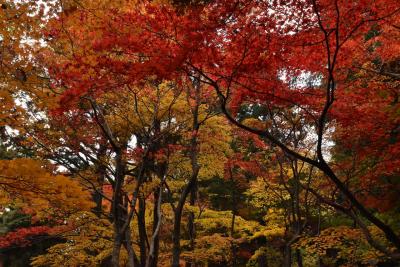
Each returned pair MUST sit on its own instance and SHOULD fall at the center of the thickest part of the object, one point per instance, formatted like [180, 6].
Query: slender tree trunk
[153, 257]
[262, 261]
[176, 234]
[118, 209]
[233, 247]
[116, 248]
[299, 258]
[156, 226]
[118, 236]
[132, 260]
[101, 172]
[119, 205]
[142, 231]
[287, 261]
[191, 186]
[191, 224]
[97, 195]
[297, 224]
[319, 230]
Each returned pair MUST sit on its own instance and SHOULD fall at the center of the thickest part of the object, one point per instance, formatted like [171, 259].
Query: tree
[125, 99]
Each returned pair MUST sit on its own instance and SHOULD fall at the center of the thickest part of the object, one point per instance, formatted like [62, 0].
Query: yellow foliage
[254, 123]
[26, 184]
[347, 243]
[87, 245]
[212, 248]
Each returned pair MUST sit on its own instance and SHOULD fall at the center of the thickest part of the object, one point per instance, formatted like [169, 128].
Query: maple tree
[152, 133]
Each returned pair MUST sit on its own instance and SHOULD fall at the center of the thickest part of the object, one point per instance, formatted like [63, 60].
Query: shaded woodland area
[200, 133]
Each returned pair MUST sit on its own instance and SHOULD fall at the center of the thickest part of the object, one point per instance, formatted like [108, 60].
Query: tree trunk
[116, 248]
[118, 209]
[97, 195]
[233, 247]
[156, 222]
[191, 225]
[262, 261]
[132, 260]
[176, 234]
[287, 260]
[299, 258]
[100, 172]
[153, 251]
[191, 186]
[142, 231]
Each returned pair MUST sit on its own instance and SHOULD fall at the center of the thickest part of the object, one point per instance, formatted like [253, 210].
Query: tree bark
[153, 251]
[132, 259]
[118, 209]
[191, 218]
[287, 261]
[142, 231]
[176, 234]
[299, 258]
[262, 261]
[233, 247]
[116, 248]
[191, 186]
[101, 172]
[156, 226]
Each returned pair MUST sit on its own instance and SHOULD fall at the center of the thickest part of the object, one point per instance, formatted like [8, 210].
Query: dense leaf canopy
[200, 133]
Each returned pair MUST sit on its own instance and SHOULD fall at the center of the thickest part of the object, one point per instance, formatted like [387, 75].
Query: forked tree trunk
[191, 186]
[132, 259]
[176, 234]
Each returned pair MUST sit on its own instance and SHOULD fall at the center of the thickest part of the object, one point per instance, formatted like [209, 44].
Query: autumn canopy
[200, 133]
